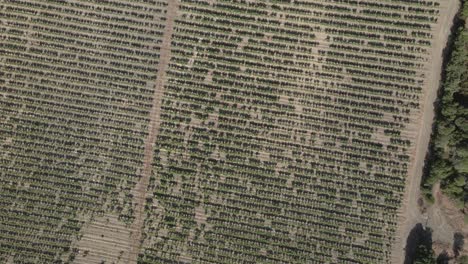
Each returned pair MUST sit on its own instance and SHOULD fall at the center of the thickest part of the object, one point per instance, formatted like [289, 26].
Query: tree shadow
[417, 236]
[443, 258]
[458, 243]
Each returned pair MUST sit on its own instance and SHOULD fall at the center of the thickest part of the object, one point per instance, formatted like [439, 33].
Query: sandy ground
[105, 239]
[444, 218]
[140, 189]
[409, 213]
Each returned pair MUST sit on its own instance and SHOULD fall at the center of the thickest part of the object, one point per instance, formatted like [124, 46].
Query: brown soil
[445, 220]
[105, 239]
[454, 215]
[141, 188]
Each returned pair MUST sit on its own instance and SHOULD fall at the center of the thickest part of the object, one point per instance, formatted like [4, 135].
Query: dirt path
[409, 213]
[446, 221]
[441, 217]
[140, 189]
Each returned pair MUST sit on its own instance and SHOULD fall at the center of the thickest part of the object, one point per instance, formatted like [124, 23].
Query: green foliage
[462, 124]
[454, 187]
[463, 260]
[441, 169]
[427, 193]
[464, 11]
[450, 161]
[424, 255]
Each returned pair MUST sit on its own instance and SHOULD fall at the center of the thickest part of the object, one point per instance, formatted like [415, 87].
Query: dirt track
[444, 218]
[409, 213]
[141, 188]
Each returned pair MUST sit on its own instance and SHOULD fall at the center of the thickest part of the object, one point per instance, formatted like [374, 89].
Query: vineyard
[210, 131]
[76, 93]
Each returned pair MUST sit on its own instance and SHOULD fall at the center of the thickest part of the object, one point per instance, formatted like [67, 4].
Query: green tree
[424, 255]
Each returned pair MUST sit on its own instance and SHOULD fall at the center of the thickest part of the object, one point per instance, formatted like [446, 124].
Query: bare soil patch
[447, 222]
[105, 239]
